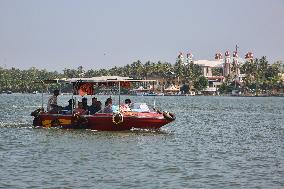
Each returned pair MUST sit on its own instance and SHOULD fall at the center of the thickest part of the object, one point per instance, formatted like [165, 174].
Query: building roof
[210, 63]
[215, 63]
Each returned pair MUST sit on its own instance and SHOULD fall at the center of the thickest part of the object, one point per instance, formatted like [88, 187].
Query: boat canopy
[102, 79]
[84, 86]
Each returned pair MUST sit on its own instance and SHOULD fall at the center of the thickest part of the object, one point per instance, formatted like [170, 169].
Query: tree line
[260, 75]
[260, 78]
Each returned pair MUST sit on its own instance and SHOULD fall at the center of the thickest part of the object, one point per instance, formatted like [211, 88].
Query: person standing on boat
[52, 106]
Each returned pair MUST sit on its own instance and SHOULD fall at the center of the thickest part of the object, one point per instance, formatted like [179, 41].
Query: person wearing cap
[52, 106]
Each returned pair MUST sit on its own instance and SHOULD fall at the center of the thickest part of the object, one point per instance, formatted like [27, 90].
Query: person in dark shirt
[71, 104]
[85, 103]
[95, 107]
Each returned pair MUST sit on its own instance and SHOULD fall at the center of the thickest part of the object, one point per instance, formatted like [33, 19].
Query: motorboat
[138, 116]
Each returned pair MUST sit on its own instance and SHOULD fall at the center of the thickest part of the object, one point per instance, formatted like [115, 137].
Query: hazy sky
[58, 34]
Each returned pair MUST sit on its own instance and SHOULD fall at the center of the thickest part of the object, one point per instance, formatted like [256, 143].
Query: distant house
[163, 82]
[282, 76]
[208, 66]
[172, 90]
[216, 71]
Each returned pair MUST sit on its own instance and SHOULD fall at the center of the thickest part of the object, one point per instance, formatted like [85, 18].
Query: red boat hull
[103, 121]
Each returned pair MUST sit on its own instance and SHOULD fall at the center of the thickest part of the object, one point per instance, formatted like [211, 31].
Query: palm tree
[146, 70]
[136, 69]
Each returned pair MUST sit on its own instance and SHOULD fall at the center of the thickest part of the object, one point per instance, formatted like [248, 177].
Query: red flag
[86, 88]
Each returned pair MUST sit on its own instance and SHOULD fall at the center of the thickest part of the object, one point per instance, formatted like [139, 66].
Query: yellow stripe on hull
[48, 123]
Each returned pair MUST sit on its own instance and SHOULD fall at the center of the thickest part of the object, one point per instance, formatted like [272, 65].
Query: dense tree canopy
[260, 75]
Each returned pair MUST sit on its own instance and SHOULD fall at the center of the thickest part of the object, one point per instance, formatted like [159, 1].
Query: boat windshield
[139, 107]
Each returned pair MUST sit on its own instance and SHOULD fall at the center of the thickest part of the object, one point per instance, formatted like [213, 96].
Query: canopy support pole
[154, 95]
[119, 96]
[42, 95]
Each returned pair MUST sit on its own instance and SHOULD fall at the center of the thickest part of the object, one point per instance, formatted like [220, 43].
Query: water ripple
[215, 142]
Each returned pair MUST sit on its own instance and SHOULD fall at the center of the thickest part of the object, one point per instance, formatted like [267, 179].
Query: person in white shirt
[52, 106]
[126, 107]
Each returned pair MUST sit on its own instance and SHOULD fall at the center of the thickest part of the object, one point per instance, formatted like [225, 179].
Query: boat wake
[135, 131]
[156, 131]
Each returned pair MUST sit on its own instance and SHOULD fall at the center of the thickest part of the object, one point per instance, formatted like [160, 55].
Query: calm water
[216, 142]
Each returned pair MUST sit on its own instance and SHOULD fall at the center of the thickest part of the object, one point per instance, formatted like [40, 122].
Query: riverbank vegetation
[260, 76]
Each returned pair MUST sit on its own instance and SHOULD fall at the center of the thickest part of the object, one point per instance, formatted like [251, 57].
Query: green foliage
[260, 76]
[194, 71]
[16, 80]
[226, 87]
[184, 88]
[201, 83]
[259, 73]
[217, 71]
[223, 89]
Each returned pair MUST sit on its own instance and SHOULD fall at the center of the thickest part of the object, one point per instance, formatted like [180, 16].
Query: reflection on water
[215, 142]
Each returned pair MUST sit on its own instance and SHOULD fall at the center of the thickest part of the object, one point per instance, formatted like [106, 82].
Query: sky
[95, 34]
